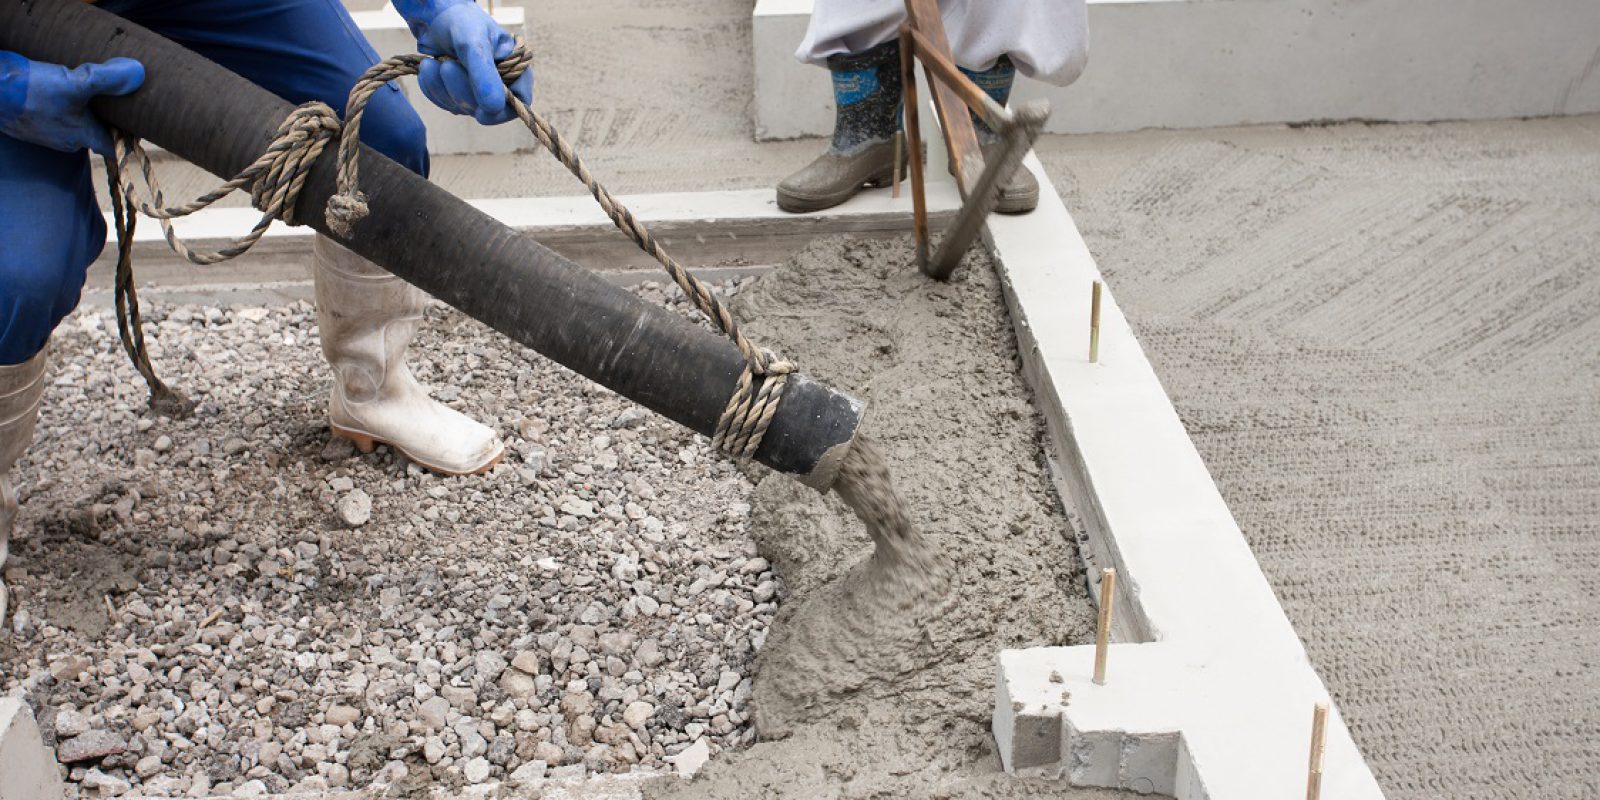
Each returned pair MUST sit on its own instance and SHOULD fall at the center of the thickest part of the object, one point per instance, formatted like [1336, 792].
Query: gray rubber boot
[20, 388]
[1021, 195]
[866, 93]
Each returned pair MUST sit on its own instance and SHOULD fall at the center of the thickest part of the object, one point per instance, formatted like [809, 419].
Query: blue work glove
[48, 104]
[470, 84]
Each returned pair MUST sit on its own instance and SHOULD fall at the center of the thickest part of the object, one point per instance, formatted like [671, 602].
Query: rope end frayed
[345, 210]
[168, 402]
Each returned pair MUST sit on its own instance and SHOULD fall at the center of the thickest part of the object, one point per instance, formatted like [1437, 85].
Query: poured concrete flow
[1385, 342]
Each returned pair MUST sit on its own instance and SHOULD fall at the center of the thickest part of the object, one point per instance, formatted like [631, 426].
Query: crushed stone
[195, 607]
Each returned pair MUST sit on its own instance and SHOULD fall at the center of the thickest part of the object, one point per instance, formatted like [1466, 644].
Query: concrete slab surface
[1383, 341]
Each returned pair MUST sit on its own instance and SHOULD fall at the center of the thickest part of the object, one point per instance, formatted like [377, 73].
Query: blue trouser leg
[50, 231]
[51, 227]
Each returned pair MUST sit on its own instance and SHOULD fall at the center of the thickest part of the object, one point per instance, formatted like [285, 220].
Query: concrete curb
[1220, 705]
[719, 231]
[1209, 63]
[28, 769]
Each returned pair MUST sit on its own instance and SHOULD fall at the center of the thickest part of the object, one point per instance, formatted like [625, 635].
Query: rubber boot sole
[796, 204]
[366, 443]
[1020, 203]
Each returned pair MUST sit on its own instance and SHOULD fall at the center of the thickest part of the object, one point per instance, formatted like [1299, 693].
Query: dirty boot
[866, 94]
[367, 317]
[20, 387]
[1022, 193]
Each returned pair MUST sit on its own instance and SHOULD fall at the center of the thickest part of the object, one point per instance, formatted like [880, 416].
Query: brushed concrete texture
[1385, 342]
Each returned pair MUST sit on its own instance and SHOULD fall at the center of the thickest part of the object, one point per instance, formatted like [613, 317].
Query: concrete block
[28, 769]
[1030, 739]
[447, 133]
[1203, 63]
[1149, 764]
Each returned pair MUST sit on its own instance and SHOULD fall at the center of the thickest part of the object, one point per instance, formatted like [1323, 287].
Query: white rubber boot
[20, 388]
[367, 318]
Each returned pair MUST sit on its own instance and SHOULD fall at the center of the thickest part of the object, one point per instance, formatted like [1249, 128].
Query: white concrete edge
[28, 769]
[1228, 672]
[1151, 509]
[1206, 63]
[581, 212]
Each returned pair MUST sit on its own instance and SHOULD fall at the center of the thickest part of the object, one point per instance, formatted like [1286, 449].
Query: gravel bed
[236, 603]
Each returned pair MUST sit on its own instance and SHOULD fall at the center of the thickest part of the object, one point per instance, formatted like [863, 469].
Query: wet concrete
[1385, 342]
[867, 692]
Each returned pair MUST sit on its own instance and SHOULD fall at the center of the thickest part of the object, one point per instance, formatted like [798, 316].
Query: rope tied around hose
[274, 181]
[277, 177]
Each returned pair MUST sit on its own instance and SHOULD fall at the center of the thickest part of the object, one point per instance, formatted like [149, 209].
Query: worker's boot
[1021, 194]
[20, 387]
[367, 318]
[866, 94]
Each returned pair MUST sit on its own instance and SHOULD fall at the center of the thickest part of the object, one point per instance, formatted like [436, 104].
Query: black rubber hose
[221, 122]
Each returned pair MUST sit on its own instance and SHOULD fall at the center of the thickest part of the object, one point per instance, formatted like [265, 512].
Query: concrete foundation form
[1209, 693]
[1207, 63]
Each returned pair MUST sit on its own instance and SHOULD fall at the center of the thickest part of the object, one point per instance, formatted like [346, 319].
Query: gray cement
[858, 692]
[1386, 343]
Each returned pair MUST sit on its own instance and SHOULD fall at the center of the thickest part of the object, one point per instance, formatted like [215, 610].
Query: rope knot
[301, 138]
[773, 364]
[345, 209]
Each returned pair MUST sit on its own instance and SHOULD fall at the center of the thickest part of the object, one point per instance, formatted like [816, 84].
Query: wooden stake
[913, 139]
[960, 138]
[1094, 325]
[899, 147]
[1102, 638]
[1319, 741]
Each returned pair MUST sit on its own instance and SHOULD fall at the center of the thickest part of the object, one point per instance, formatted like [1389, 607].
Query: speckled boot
[20, 388]
[1022, 193]
[866, 93]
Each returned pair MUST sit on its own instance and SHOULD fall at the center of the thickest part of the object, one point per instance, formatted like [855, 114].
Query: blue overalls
[51, 227]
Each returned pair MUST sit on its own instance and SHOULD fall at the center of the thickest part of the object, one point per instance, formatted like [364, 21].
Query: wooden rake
[922, 38]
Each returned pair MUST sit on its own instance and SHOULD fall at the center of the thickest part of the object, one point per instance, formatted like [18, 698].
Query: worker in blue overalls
[51, 227]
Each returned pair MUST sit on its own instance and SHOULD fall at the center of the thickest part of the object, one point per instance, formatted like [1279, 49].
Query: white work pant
[1047, 39]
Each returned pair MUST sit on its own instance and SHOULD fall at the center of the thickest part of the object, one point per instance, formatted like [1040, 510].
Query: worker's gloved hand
[469, 84]
[48, 104]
